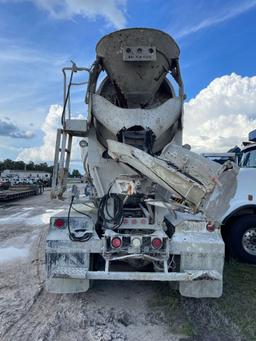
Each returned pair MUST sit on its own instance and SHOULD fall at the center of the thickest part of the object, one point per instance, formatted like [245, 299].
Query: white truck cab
[239, 221]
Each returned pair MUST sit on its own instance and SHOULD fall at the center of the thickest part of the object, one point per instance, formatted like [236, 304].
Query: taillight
[210, 227]
[116, 242]
[59, 223]
[156, 243]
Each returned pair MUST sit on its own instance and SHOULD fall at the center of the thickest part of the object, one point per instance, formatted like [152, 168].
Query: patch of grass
[227, 318]
[168, 301]
[238, 302]
[186, 329]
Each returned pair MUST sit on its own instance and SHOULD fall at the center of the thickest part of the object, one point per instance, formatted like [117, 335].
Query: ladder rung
[61, 161]
[66, 150]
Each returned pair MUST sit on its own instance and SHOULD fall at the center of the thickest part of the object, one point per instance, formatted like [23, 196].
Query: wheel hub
[249, 241]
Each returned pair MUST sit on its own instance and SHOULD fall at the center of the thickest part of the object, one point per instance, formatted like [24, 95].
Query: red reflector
[143, 221]
[59, 223]
[126, 221]
[156, 243]
[134, 221]
[210, 227]
[116, 242]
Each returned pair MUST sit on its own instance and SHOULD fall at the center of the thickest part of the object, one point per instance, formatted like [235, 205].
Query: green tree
[31, 166]
[20, 165]
[76, 173]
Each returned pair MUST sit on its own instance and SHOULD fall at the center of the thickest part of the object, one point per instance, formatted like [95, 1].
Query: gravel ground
[111, 310]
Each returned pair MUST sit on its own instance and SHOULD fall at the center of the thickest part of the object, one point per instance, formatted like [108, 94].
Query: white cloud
[21, 52]
[113, 11]
[202, 19]
[222, 114]
[10, 129]
[49, 129]
[218, 118]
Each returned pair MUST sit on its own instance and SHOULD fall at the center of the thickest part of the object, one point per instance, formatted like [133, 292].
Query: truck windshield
[249, 159]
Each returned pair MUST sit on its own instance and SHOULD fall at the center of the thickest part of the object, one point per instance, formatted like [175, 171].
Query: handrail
[66, 89]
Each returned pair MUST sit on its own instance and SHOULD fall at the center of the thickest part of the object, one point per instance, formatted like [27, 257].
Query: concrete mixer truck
[151, 208]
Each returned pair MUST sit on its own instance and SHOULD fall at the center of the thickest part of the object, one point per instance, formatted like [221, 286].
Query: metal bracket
[139, 53]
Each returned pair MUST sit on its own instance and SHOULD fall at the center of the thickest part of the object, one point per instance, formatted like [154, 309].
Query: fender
[240, 210]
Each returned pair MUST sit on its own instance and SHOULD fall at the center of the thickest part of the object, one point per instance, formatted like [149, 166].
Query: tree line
[20, 165]
[42, 166]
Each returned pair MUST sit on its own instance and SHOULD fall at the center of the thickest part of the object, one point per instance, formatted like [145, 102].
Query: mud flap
[207, 285]
[65, 283]
[201, 288]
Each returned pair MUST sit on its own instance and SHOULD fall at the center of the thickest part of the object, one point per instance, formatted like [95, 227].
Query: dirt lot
[110, 310]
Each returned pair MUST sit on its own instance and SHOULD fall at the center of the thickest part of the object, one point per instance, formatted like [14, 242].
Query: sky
[39, 37]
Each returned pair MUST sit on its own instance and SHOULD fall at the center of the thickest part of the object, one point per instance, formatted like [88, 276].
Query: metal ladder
[61, 163]
[71, 127]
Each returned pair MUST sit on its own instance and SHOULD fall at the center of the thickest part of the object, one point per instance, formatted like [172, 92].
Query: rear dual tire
[243, 238]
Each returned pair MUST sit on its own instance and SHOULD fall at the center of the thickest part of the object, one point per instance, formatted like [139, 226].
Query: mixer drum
[137, 62]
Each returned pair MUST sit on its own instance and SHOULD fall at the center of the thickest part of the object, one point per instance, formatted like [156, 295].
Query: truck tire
[243, 238]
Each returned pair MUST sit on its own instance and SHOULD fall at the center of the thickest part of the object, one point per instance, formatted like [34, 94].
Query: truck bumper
[188, 275]
[200, 273]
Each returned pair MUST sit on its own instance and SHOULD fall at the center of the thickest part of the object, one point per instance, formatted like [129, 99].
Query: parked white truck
[152, 209]
[239, 221]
